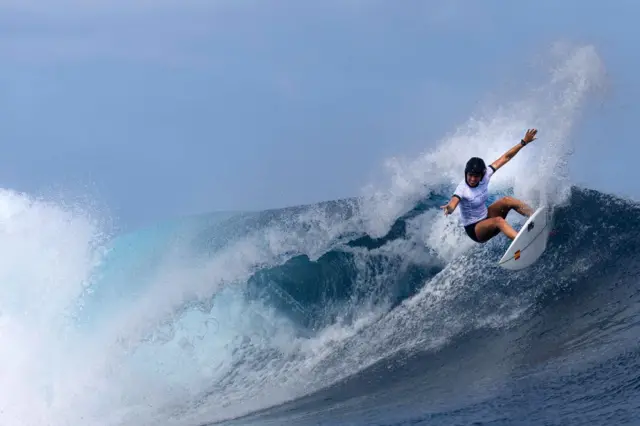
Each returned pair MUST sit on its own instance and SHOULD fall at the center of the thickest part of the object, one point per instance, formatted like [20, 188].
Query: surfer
[482, 223]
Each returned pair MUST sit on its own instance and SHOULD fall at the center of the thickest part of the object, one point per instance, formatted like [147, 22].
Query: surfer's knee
[499, 222]
[510, 201]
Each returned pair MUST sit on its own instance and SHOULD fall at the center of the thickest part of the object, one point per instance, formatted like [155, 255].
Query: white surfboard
[530, 242]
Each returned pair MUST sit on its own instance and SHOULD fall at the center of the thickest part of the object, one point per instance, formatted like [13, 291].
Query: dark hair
[475, 166]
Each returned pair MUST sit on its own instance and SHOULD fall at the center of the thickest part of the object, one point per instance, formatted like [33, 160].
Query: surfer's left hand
[530, 136]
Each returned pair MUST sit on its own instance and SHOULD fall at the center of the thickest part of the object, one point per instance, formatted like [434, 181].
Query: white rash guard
[472, 204]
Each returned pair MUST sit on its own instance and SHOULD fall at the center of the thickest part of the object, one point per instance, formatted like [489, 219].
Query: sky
[157, 109]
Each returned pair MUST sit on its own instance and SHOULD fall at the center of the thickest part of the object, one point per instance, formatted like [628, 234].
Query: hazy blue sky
[162, 108]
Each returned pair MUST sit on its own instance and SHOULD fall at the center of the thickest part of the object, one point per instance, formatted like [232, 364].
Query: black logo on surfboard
[530, 227]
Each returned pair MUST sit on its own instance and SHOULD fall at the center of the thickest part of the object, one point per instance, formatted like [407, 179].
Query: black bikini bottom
[471, 231]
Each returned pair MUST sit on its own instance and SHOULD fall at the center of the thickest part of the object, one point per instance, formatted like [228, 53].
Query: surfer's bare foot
[525, 210]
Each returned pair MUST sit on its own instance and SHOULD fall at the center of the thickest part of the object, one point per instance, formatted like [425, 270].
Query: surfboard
[530, 242]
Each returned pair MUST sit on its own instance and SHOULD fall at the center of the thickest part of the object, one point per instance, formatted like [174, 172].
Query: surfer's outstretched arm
[530, 136]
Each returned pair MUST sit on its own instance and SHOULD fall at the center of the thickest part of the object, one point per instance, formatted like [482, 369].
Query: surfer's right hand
[447, 209]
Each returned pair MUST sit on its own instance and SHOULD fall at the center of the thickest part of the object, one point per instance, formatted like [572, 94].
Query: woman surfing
[482, 223]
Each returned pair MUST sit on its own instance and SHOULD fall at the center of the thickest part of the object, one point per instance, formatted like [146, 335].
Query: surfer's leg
[490, 227]
[503, 206]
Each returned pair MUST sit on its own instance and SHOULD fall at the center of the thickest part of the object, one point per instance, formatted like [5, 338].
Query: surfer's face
[473, 179]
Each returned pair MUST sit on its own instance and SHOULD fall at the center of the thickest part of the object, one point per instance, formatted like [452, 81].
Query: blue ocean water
[570, 355]
[213, 325]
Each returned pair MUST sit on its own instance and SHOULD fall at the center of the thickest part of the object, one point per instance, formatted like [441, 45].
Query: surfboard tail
[530, 242]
